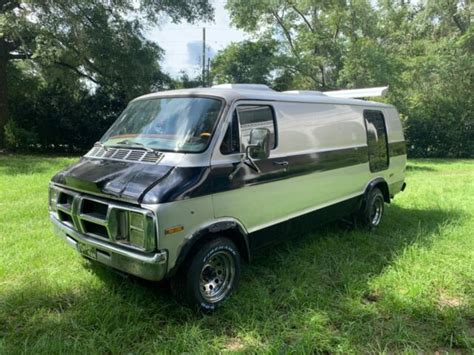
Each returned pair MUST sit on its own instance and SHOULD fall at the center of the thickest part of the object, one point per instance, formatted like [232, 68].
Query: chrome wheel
[217, 276]
[376, 211]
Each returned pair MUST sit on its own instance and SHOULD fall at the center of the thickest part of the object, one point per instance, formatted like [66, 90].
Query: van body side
[150, 212]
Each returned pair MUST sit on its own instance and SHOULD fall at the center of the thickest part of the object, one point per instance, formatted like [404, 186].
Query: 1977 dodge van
[187, 183]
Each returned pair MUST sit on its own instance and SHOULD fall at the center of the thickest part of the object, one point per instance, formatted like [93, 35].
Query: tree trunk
[3, 91]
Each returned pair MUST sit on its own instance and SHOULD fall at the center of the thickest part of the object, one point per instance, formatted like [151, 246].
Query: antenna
[204, 56]
[208, 71]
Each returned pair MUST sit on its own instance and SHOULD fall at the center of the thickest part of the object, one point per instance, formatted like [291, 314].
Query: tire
[372, 210]
[210, 276]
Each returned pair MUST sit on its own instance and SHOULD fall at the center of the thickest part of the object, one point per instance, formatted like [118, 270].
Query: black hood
[125, 180]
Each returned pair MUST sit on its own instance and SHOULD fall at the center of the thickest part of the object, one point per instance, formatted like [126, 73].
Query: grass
[408, 287]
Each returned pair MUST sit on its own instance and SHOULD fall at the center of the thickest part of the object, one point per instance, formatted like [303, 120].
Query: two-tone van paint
[187, 183]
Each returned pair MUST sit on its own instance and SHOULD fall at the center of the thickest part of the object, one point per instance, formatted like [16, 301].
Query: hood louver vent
[136, 155]
[150, 158]
[133, 155]
[120, 154]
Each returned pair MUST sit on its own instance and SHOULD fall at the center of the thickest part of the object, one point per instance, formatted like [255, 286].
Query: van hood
[125, 180]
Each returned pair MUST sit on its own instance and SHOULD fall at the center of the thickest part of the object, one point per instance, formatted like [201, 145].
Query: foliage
[245, 62]
[423, 51]
[87, 44]
[57, 118]
[58, 114]
[407, 287]
[184, 81]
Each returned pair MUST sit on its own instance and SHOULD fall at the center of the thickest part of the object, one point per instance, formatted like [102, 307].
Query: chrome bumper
[145, 265]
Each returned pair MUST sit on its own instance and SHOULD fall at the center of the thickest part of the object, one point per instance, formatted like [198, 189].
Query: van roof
[233, 92]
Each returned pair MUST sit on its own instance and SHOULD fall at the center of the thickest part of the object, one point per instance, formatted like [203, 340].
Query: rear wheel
[372, 210]
[210, 276]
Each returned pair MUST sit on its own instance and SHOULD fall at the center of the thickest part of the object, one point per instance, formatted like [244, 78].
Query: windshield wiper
[130, 144]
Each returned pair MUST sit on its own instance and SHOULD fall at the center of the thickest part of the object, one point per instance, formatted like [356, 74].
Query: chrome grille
[103, 219]
[133, 155]
[64, 205]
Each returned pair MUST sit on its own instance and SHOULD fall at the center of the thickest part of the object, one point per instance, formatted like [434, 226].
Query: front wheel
[372, 210]
[210, 276]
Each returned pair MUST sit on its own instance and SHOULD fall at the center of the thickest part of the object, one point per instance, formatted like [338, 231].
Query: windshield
[182, 124]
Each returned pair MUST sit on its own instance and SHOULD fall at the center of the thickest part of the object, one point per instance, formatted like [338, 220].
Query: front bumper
[149, 266]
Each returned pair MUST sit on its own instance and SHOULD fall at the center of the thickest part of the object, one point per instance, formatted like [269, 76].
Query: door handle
[281, 163]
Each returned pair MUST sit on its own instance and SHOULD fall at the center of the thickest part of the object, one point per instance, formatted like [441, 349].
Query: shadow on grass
[30, 164]
[411, 167]
[307, 295]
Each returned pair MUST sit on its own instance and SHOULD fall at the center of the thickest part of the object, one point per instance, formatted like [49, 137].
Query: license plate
[87, 251]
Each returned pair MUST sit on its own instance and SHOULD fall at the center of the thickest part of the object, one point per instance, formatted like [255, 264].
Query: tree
[100, 42]
[422, 50]
[312, 34]
[245, 62]
[184, 81]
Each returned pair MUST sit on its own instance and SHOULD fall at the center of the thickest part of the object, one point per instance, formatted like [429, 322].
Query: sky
[183, 42]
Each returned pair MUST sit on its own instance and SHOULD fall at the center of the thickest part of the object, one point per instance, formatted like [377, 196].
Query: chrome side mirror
[259, 145]
[258, 148]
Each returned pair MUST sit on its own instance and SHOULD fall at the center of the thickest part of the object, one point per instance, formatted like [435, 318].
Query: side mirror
[259, 145]
[258, 148]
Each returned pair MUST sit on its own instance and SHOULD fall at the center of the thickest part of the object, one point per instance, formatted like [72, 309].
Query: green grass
[408, 287]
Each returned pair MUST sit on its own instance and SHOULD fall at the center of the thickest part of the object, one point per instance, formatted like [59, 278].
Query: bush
[441, 129]
[57, 118]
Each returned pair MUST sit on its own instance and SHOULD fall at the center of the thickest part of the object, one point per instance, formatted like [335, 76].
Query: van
[187, 184]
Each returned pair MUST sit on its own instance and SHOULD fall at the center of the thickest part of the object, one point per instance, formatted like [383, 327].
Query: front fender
[230, 228]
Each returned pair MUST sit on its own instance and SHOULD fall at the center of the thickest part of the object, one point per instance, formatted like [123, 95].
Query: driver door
[247, 195]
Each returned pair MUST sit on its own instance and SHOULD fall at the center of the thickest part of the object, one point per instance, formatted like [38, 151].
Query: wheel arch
[382, 185]
[231, 229]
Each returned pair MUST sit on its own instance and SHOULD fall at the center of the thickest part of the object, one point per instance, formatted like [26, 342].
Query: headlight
[135, 229]
[53, 199]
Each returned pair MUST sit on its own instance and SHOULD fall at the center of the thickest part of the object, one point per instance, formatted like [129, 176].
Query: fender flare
[231, 228]
[379, 181]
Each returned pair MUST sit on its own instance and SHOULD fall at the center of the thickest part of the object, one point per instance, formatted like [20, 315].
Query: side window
[376, 140]
[256, 116]
[231, 142]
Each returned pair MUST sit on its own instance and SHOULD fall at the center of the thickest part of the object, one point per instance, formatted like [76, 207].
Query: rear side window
[376, 140]
[253, 116]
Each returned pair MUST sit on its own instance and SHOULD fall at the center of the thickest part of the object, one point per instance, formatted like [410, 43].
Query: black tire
[209, 276]
[372, 210]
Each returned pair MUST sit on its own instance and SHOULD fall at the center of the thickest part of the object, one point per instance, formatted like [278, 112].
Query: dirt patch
[445, 301]
[234, 344]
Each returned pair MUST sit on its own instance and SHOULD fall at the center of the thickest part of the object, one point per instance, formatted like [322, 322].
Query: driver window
[253, 116]
[249, 117]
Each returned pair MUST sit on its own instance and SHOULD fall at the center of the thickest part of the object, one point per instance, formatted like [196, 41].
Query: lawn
[408, 287]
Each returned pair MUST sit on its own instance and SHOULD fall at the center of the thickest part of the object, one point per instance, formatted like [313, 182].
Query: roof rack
[358, 93]
[346, 94]
[303, 92]
[243, 86]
